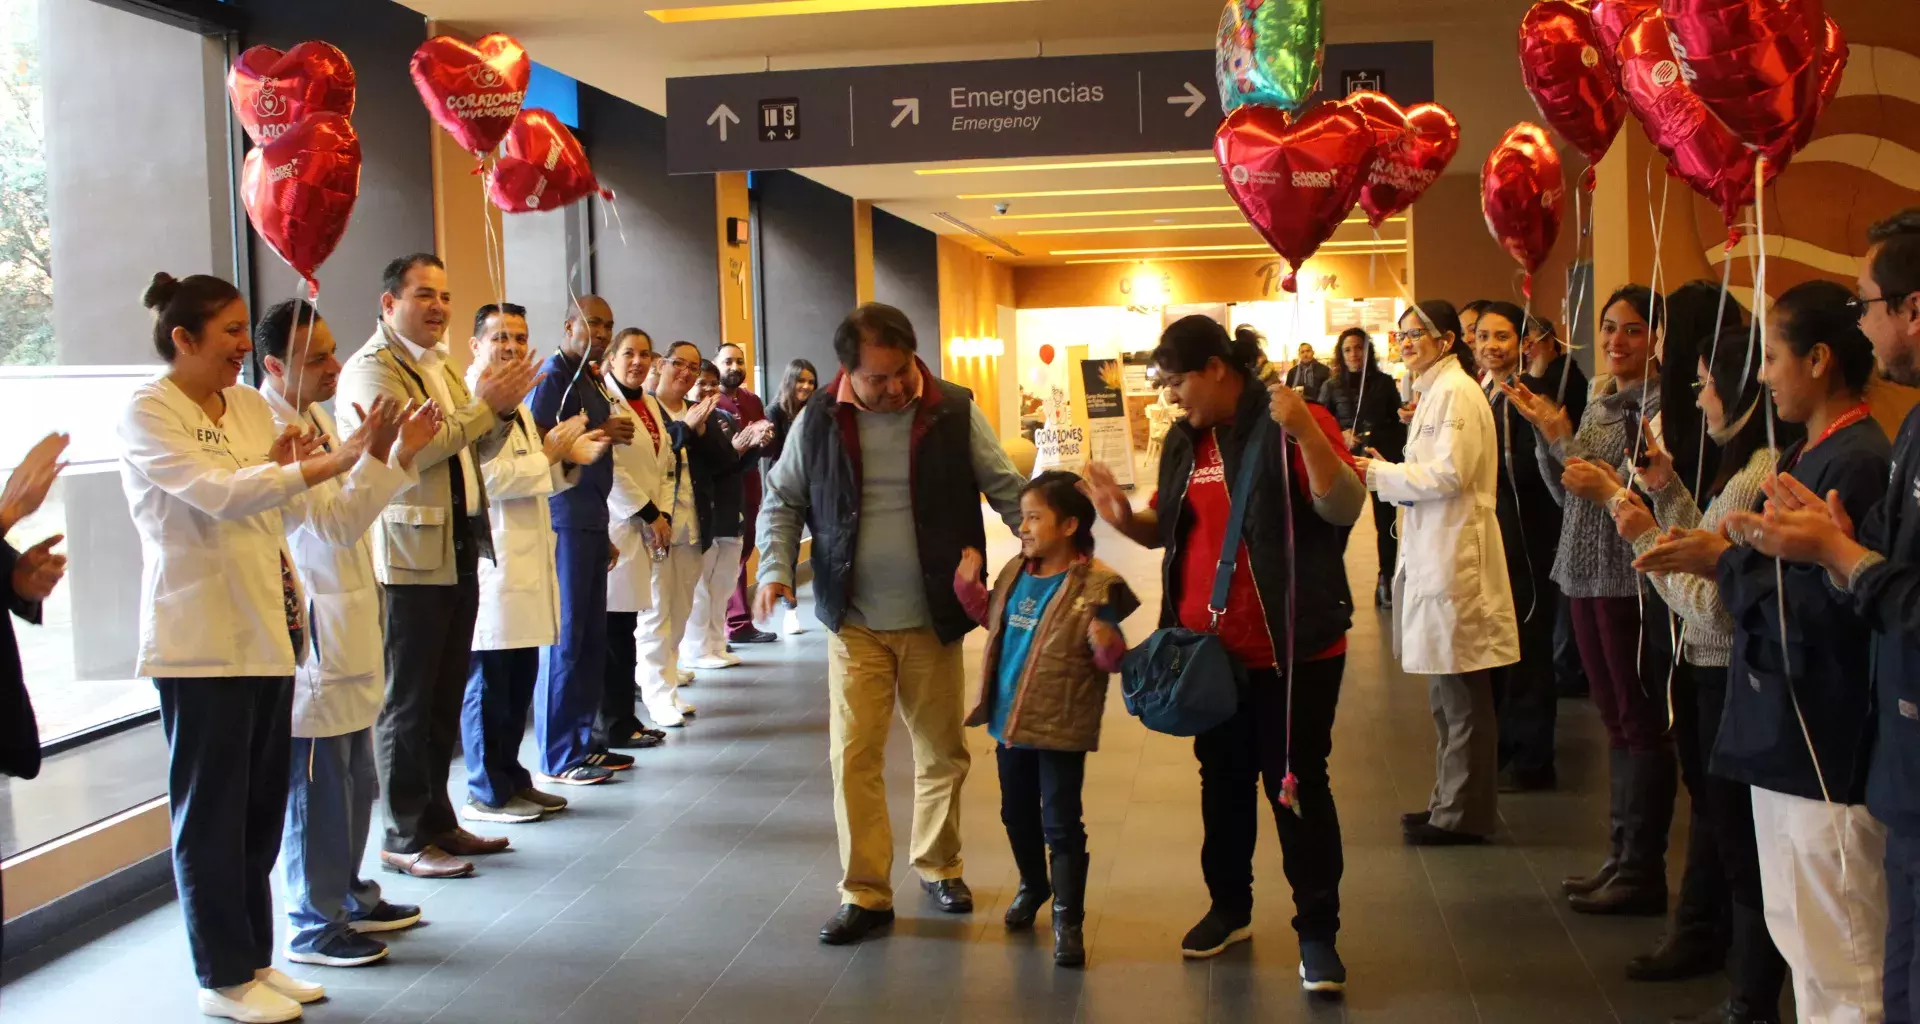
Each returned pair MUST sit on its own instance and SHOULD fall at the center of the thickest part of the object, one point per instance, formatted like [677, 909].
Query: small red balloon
[1754, 63]
[541, 166]
[1295, 182]
[272, 91]
[1563, 65]
[1411, 148]
[299, 190]
[1522, 195]
[1046, 354]
[474, 92]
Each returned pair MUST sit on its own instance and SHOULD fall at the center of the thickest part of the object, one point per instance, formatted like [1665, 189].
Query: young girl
[1053, 638]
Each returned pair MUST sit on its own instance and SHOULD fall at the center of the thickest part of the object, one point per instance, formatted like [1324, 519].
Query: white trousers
[1823, 877]
[660, 628]
[707, 625]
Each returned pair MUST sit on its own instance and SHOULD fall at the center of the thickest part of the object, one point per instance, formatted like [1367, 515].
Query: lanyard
[1840, 422]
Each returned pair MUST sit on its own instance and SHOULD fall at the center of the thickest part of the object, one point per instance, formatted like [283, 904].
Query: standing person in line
[1453, 609]
[426, 553]
[339, 683]
[1470, 333]
[567, 700]
[1799, 731]
[663, 623]
[1525, 699]
[643, 475]
[1309, 374]
[29, 578]
[1364, 399]
[1284, 724]
[753, 440]
[215, 486]
[1594, 569]
[520, 590]
[718, 458]
[796, 389]
[1043, 686]
[1730, 397]
[1552, 371]
[886, 467]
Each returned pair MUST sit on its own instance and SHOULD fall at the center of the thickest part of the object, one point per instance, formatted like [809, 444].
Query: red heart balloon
[1699, 149]
[1295, 182]
[1754, 63]
[1612, 19]
[1522, 196]
[1832, 67]
[1562, 64]
[272, 91]
[473, 92]
[541, 166]
[1411, 148]
[299, 190]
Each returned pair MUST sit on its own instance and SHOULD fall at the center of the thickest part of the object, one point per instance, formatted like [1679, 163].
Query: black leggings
[1384, 542]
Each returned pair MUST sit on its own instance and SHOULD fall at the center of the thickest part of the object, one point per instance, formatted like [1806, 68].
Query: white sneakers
[269, 998]
[721, 660]
[790, 624]
[516, 811]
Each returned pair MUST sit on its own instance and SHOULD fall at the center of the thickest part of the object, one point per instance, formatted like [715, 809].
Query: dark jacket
[1309, 376]
[718, 487]
[1529, 516]
[1887, 596]
[1372, 412]
[777, 415]
[1325, 607]
[1549, 385]
[19, 731]
[945, 494]
[561, 395]
[1761, 743]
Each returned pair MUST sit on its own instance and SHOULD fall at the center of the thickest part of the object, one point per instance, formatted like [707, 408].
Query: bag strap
[1236, 518]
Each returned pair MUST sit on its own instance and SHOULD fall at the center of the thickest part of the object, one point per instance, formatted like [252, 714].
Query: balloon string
[1288, 783]
[1580, 289]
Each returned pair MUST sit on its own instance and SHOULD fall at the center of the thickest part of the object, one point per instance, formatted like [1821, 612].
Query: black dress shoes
[753, 636]
[853, 923]
[1428, 834]
[951, 893]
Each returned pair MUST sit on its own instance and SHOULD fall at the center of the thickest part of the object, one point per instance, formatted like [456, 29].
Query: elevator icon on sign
[779, 120]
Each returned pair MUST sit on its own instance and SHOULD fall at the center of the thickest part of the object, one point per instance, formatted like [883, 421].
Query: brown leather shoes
[462, 843]
[429, 862]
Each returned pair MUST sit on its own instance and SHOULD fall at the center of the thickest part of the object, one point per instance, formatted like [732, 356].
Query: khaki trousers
[867, 672]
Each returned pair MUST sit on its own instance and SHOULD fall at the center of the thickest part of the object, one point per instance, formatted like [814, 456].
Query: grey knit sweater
[1708, 639]
[1593, 561]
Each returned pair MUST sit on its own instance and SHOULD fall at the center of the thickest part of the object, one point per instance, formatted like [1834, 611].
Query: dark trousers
[1627, 681]
[1702, 910]
[1526, 699]
[1040, 805]
[1754, 967]
[1250, 749]
[228, 744]
[1902, 981]
[617, 718]
[493, 720]
[1385, 545]
[429, 651]
[568, 696]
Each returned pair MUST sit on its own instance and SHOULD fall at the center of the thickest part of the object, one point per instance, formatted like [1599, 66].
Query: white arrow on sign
[909, 107]
[725, 116]
[1193, 98]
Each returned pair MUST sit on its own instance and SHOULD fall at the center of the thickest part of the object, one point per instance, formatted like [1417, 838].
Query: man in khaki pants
[886, 465]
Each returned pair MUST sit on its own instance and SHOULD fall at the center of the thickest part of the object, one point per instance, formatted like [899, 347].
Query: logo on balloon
[1666, 73]
[1313, 179]
[483, 76]
[1589, 56]
[1240, 174]
[269, 103]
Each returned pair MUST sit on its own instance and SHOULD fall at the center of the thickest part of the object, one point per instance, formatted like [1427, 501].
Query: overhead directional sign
[1041, 106]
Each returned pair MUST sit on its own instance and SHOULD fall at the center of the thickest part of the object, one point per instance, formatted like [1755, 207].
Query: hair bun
[160, 291]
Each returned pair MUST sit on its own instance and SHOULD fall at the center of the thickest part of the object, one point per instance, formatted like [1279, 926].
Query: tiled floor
[693, 891]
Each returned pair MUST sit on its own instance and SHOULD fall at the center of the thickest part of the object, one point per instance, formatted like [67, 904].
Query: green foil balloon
[1269, 53]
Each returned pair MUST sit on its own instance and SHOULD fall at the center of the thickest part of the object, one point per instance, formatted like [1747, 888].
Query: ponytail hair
[186, 303]
[1438, 315]
[1191, 341]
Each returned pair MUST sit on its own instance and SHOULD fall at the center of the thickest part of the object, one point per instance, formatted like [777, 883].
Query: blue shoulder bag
[1180, 681]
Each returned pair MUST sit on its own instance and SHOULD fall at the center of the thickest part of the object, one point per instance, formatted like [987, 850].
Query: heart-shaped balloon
[1268, 52]
[1754, 63]
[474, 92]
[1411, 148]
[1612, 19]
[1294, 181]
[1832, 67]
[541, 166]
[272, 91]
[1700, 150]
[299, 190]
[1562, 64]
[1522, 196]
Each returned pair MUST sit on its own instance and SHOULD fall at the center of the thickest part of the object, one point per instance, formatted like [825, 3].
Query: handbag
[1181, 681]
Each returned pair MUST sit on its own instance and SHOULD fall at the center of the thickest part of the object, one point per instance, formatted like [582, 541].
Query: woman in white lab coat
[215, 486]
[641, 517]
[1452, 603]
[662, 625]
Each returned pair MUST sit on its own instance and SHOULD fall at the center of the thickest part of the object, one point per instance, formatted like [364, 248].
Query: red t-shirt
[1243, 629]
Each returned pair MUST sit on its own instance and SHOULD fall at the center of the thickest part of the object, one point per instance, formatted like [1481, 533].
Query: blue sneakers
[1320, 967]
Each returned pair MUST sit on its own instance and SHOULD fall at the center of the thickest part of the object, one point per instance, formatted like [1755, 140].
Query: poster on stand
[1062, 442]
[1109, 440]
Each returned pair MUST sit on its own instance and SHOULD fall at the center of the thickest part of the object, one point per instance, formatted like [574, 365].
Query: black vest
[946, 499]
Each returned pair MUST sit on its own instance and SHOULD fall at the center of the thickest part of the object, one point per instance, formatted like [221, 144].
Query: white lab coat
[340, 685]
[643, 472]
[213, 512]
[520, 590]
[1453, 607]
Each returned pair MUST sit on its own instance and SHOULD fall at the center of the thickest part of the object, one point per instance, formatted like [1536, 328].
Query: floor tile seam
[451, 956]
[1560, 917]
[788, 898]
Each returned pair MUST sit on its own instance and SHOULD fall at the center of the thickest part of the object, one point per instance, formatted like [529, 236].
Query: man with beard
[1878, 566]
[568, 697]
[752, 442]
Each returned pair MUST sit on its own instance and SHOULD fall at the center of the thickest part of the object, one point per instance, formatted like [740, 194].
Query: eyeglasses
[1859, 306]
[1402, 337]
[684, 366]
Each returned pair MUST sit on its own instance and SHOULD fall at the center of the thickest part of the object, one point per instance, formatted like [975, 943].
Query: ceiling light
[1160, 248]
[1115, 213]
[1134, 191]
[782, 8]
[1073, 165]
[1216, 256]
[1136, 227]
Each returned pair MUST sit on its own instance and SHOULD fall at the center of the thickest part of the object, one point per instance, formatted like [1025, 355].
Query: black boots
[1383, 592]
[1639, 883]
[1582, 885]
[1069, 908]
[1034, 889]
[1696, 945]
